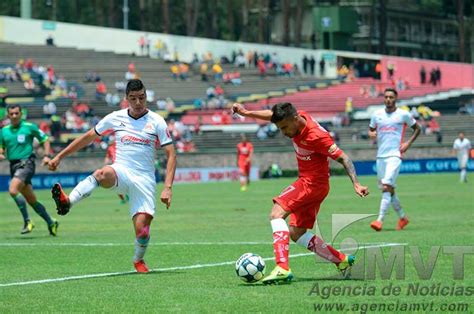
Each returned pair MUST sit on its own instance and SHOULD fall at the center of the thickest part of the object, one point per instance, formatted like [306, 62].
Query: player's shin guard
[41, 211]
[83, 189]
[384, 204]
[318, 246]
[397, 206]
[281, 242]
[141, 243]
[20, 202]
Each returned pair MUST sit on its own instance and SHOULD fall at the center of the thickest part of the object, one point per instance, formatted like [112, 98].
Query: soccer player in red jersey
[244, 161]
[110, 159]
[302, 199]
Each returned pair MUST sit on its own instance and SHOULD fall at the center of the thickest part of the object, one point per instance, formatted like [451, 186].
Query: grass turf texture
[440, 211]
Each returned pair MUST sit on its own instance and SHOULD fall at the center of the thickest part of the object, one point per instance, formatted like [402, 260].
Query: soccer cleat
[28, 227]
[53, 228]
[278, 275]
[345, 266]
[141, 267]
[61, 199]
[402, 222]
[376, 225]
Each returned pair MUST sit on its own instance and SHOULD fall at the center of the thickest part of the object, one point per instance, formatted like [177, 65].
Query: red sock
[281, 243]
[318, 246]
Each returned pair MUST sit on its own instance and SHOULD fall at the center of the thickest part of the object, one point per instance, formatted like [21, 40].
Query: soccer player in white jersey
[138, 132]
[462, 147]
[388, 125]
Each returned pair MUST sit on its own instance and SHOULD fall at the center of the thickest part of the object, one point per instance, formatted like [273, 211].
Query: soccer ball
[250, 267]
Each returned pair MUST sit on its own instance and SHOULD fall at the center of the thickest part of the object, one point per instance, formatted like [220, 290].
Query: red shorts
[244, 168]
[303, 199]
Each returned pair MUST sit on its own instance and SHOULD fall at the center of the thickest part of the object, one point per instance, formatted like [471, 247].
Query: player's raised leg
[141, 222]
[105, 177]
[281, 244]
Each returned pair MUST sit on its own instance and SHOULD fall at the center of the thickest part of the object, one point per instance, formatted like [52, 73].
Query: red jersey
[243, 151]
[111, 152]
[313, 146]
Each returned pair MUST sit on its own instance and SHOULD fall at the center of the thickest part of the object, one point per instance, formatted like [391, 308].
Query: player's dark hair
[282, 111]
[13, 106]
[134, 86]
[393, 90]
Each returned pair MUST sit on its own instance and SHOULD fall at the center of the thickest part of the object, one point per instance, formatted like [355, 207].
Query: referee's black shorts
[23, 169]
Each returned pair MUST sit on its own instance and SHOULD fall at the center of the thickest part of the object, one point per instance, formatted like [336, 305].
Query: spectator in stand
[312, 63]
[3, 96]
[170, 106]
[175, 71]
[390, 70]
[56, 127]
[203, 68]
[50, 41]
[211, 92]
[433, 127]
[44, 126]
[438, 75]
[219, 90]
[433, 80]
[422, 75]
[322, 66]
[150, 96]
[123, 103]
[349, 108]
[72, 94]
[400, 84]
[414, 113]
[240, 60]
[120, 86]
[183, 71]
[131, 67]
[425, 112]
[49, 109]
[142, 44]
[217, 70]
[305, 64]
[113, 100]
[161, 104]
[262, 68]
[29, 86]
[100, 90]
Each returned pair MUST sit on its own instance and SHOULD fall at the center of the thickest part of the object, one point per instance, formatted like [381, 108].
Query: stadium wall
[453, 75]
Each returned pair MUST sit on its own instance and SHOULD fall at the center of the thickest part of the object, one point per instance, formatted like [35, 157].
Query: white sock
[304, 239]
[384, 204]
[83, 189]
[397, 207]
[279, 224]
[463, 175]
[140, 248]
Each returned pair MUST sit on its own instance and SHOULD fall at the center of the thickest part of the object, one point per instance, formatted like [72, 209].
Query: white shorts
[387, 170]
[462, 161]
[140, 188]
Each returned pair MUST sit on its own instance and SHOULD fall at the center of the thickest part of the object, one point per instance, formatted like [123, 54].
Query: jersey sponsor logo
[132, 140]
[388, 129]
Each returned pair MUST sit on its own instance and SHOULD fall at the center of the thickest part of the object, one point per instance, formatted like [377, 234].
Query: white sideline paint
[62, 279]
[152, 244]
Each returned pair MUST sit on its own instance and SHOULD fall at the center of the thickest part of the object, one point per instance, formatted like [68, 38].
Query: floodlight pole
[125, 9]
[25, 9]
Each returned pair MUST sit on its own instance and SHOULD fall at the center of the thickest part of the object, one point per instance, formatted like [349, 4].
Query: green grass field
[208, 226]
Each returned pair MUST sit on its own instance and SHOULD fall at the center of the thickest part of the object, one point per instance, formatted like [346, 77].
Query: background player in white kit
[462, 147]
[388, 126]
[138, 134]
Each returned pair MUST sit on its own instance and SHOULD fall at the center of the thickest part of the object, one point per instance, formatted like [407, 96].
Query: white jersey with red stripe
[390, 130]
[137, 139]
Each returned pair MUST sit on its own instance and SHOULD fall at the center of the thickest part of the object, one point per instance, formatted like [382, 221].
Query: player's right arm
[372, 128]
[2, 156]
[257, 114]
[2, 146]
[79, 143]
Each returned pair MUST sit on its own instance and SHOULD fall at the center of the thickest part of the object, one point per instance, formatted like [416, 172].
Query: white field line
[41, 244]
[196, 266]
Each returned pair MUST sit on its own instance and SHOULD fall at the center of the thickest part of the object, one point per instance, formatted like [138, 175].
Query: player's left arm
[2, 147]
[416, 131]
[167, 194]
[344, 160]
